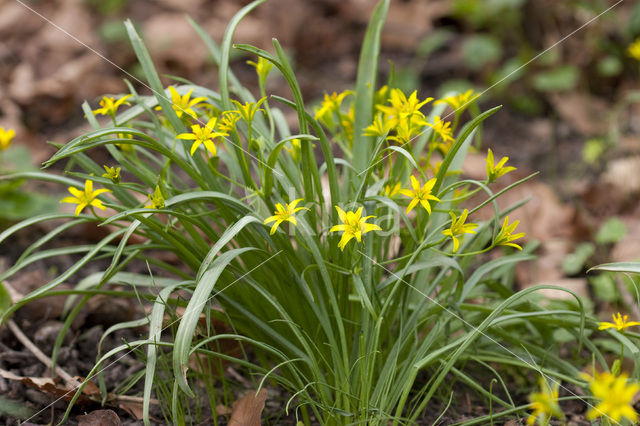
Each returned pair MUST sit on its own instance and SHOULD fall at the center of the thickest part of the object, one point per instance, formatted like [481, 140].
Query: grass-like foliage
[344, 255]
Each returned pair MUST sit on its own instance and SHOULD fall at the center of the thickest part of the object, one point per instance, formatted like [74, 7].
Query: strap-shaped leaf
[189, 320]
[366, 87]
[629, 267]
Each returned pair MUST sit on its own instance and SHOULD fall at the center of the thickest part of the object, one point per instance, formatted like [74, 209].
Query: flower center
[203, 134]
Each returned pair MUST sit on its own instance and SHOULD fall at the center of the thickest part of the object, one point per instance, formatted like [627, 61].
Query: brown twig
[69, 380]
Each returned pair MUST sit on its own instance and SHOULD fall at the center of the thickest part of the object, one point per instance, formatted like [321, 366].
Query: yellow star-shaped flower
[112, 173]
[459, 102]
[494, 171]
[634, 49]
[459, 228]
[284, 214]
[545, 404]
[379, 127]
[263, 67]
[227, 121]
[85, 198]
[506, 237]
[203, 135]
[331, 104]
[353, 226]
[441, 128]
[619, 323]
[392, 190]
[109, 106]
[5, 138]
[402, 108]
[420, 195]
[615, 395]
[156, 199]
[184, 104]
[249, 109]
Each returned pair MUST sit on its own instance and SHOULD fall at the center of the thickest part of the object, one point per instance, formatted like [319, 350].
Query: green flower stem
[471, 253]
[267, 108]
[228, 179]
[242, 160]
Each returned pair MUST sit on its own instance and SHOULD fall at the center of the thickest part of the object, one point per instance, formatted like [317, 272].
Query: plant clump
[383, 294]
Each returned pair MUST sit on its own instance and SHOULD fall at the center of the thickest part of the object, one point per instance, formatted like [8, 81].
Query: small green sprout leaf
[5, 300]
[612, 231]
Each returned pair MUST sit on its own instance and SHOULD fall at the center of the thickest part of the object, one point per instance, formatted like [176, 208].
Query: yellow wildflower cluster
[402, 115]
[403, 110]
[615, 396]
[506, 237]
[353, 224]
[333, 116]
[392, 190]
[330, 106]
[295, 150]
[614, 393]
[218, 126]
[227, 121]
[444, 132]
[248, 110]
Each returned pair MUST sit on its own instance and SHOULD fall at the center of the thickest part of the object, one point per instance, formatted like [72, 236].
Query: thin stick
[39, 354]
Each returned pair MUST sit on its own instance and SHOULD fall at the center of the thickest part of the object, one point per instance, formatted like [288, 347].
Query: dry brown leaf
[16, 19]
[133, 407]
[247, 411]
[622, 174]
[47, 385]
[185, 6]
[90, 389]
[64, 81]
[628, 248]
[583, 111]
[181, 45]
[108, 310]
[99, 418]
[45, 308]
[547, 268]
[544, 217]
[72, 18]
[475, 165]
[223, 410]
[576, 285]
[90, 393]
